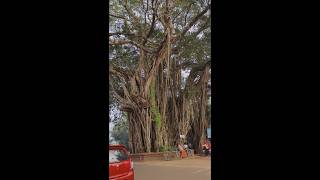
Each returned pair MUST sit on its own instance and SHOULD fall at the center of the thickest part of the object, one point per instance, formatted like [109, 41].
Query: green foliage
[166, 148]
[172, 148]
[154, 108]
[123, 56]
[161, 148]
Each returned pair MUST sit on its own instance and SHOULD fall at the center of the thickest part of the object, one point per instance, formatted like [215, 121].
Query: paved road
[185, 169]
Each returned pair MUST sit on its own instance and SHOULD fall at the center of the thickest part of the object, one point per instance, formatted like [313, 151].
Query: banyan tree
[160, 69]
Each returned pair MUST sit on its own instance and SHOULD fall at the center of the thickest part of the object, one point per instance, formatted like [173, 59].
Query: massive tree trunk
[166, 112]
[139, 131]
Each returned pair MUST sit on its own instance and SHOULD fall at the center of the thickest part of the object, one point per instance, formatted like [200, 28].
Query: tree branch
[126, 100]
[195, 66]
[152, 25]
[175, 17]
[123, 102]
[116, 16]
[121, 33]
[185, 17]
[194, 20]
[130, 13]
[160, 56]
[120, 72]
[121, 42]
[202, 28]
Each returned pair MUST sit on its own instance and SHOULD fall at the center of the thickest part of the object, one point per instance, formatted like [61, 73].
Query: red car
[120, 163]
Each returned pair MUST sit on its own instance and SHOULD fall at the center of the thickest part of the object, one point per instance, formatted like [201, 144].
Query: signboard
[209, 132]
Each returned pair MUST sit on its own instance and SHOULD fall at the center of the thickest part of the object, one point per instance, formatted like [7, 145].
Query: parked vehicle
[120, 163]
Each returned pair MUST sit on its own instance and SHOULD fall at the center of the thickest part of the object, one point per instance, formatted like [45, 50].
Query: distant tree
[120, 131]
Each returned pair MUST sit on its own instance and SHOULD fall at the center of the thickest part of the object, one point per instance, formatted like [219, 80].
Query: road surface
[185, 169]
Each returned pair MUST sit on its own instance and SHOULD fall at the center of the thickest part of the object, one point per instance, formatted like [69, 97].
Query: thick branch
[158, 59]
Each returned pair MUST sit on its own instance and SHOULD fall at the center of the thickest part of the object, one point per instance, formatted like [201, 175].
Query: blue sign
[209, 132]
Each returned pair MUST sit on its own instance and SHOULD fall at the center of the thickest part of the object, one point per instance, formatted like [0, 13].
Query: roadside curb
[161, 156]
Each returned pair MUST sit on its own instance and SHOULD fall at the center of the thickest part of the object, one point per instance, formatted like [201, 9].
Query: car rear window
[117, 155]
